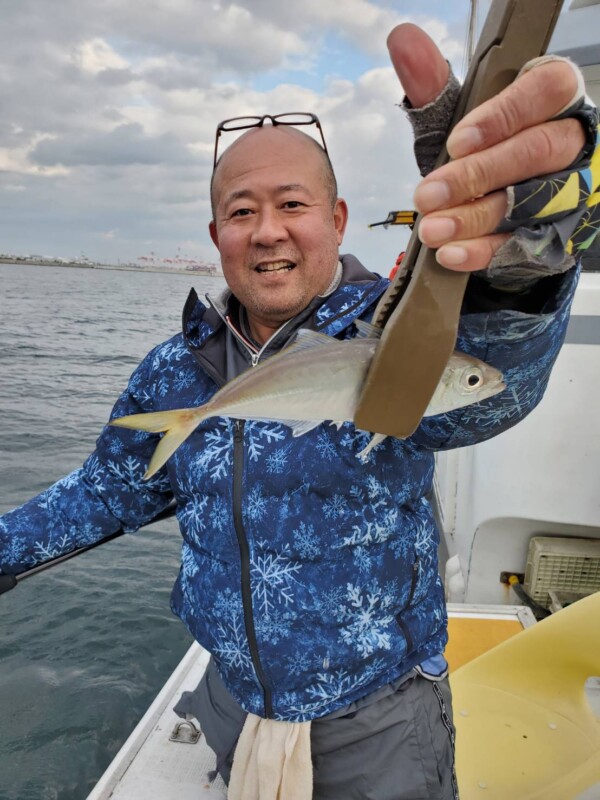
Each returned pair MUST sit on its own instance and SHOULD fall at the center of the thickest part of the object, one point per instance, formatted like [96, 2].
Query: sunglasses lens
[240, 122]
[295, 119]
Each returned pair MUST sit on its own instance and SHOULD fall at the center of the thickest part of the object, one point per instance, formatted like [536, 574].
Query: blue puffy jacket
[311, 578]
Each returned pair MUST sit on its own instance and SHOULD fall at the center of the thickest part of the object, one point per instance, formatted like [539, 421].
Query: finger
[471, 254]
[469, 221]
[533, 98]
[541, 150]
[421, 68]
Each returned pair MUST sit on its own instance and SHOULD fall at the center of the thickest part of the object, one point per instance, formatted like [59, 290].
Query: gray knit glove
[431, 123]
[542, 244]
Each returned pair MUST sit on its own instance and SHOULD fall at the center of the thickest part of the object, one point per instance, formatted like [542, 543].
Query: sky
[109, 109]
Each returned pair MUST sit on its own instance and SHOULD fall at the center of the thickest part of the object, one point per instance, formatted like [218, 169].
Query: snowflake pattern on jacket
[312, 578]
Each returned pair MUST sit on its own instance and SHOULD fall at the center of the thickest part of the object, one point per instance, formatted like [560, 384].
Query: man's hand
[506, 140]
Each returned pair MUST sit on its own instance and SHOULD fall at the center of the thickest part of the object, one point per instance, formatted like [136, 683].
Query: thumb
[421, 68]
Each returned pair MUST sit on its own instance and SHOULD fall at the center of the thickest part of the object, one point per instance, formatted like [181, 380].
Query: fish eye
[473, 379]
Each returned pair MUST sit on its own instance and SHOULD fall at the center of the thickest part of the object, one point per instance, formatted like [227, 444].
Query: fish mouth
[495, 386]
[283, 265]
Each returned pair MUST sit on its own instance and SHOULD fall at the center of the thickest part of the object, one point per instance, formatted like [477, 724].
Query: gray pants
[396, 744]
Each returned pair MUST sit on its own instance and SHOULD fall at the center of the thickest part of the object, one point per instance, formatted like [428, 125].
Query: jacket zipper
[255, 355]
[406, 633]
[238, 474]
[413, 581]
[413, 586]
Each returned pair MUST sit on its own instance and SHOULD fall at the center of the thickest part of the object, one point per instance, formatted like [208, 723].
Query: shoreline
[15, 262]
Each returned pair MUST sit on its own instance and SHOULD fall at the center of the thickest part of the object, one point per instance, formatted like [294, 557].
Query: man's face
[275, 227]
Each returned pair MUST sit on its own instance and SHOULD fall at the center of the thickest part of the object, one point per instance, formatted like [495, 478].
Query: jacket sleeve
[106, 494]
[524, 347]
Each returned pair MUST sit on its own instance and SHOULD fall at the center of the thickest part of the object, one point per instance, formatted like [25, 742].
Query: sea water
[85, 645]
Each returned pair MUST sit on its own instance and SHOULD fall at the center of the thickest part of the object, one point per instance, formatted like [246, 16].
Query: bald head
[277, 224]
[255, 138]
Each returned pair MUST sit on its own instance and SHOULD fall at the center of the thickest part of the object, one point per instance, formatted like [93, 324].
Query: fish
[314, 379]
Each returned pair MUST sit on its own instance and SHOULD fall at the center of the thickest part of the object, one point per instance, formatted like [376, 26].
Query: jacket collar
[358, 289]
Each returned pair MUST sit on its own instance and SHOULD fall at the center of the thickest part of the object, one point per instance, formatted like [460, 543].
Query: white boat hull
[152, 767]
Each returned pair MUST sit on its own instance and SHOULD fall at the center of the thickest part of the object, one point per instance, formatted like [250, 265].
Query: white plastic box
[562, 564]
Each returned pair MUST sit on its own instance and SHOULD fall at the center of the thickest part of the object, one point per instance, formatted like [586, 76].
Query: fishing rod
[8, 582]
[397, 218]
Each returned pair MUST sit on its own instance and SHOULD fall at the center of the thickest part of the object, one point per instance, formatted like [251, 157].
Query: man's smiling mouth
[275, 266]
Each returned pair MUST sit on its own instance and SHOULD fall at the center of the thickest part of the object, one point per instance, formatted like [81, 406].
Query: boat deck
[151, 766]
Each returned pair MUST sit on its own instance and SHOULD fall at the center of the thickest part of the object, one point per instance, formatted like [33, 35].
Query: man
[311, 578]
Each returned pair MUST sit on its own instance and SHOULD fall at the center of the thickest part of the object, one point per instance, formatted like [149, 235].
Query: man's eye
[293, 204]
[241, 212]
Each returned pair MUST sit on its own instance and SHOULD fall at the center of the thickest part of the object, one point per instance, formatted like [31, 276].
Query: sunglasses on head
[240, 123]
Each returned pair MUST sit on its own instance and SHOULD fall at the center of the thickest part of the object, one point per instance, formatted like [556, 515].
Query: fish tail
[176, 425]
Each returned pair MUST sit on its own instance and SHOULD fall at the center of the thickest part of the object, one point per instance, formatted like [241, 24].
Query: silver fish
[316, 378]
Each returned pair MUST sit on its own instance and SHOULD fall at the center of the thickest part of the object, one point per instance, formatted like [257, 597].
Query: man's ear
[340, 218]
[212, 229]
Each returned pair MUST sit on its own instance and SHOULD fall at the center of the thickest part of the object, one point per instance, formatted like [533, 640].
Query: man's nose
[269, 228]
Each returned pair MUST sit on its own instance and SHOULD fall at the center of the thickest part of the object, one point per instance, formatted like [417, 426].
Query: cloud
[109, 113]
[96, 55]
[18, 160]
[365, 24]
[125, 145]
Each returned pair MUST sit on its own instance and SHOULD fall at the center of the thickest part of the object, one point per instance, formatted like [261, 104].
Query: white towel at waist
[272, 761]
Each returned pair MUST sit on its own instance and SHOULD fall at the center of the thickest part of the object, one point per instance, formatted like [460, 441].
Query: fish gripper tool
[420, 310]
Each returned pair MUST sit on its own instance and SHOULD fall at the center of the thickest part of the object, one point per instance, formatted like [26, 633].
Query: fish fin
[305, 340]
[376, 439]
[367, 331]
[177, 424]
[169, 443]
[152, 422]
[301, 426]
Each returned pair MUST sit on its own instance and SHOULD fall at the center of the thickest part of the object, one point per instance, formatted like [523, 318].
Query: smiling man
[310, 577]
[278, 224]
